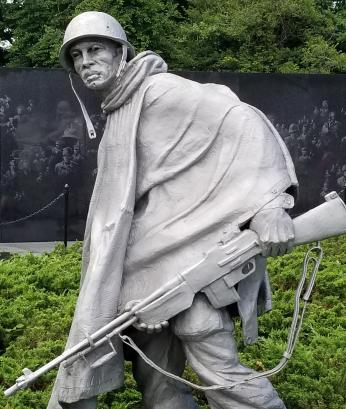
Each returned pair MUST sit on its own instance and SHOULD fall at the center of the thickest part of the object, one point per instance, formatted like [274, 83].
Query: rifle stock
[216, 274]
[321, 222]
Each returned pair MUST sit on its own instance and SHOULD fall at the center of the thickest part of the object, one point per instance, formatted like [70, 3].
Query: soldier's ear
[118, 50]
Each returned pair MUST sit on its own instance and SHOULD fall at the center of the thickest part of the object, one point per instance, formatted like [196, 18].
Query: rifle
[221, 268]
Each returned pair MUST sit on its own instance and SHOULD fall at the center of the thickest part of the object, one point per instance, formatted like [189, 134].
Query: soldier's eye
[74, 54]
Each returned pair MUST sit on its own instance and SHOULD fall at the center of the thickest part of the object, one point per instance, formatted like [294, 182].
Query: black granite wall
[43, 144]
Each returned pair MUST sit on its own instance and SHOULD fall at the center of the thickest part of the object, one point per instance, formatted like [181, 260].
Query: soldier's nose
[87, 60]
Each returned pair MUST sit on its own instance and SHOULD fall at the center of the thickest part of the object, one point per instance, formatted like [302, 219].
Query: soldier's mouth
[91, 76]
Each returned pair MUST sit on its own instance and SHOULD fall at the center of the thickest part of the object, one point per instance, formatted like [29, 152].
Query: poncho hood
[136, 71]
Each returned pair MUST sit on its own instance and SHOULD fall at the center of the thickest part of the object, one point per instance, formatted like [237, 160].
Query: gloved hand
[275, 230]
[142, 326]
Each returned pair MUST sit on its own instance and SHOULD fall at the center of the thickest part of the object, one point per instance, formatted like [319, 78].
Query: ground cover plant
[38, 294]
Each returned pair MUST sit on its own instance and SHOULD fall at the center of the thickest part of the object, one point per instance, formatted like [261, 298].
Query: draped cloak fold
[178, 164]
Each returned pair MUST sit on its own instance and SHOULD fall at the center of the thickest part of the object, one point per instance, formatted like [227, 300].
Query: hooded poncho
[179, 162]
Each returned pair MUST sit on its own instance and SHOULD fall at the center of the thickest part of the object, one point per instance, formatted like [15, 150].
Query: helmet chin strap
[89, 125]
[122, 62]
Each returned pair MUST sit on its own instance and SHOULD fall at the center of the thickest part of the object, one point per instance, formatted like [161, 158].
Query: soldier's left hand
[143, 326]
[275, 230]
[151, 328]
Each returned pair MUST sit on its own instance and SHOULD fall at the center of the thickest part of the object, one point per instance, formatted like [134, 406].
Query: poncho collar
[143, 65]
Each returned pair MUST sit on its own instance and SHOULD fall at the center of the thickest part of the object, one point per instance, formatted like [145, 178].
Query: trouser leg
[207, 336]
[215, 361]
[159, 391]
[81, 404]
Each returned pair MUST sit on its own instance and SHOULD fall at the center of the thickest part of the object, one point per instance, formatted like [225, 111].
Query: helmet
[92, 24]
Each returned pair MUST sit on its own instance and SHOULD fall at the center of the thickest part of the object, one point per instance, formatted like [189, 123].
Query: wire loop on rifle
[297, 321]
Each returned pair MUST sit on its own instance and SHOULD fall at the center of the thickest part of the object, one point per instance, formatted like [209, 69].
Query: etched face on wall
[96, 61]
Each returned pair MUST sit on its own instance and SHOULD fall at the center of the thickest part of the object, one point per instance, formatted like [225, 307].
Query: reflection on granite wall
[43, 143]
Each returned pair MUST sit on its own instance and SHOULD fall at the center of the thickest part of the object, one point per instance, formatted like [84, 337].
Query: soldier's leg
[207, 336]
[159, 391]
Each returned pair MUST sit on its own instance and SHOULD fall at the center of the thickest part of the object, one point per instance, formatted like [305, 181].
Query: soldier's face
[96, 62]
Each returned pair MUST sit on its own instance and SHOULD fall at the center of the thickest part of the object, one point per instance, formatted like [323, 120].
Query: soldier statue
[179, 164]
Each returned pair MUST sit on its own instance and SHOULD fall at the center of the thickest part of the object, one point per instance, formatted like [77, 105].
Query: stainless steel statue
[181, 165]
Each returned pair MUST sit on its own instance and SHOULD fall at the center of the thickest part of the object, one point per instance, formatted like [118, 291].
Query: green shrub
[38, 294]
